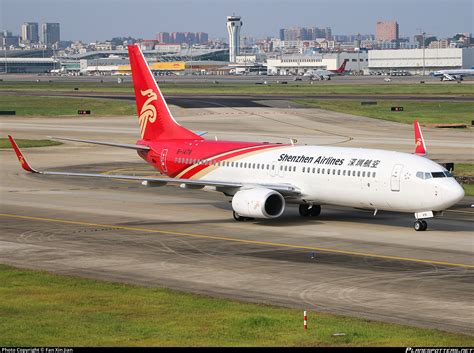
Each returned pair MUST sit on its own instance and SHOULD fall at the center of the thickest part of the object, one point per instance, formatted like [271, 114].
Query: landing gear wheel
[304, 210]
[425, 225]
[315, 210]
[420, 225]
[238, 217]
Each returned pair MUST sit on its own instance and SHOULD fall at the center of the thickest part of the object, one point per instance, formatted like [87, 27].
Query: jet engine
[258, 203]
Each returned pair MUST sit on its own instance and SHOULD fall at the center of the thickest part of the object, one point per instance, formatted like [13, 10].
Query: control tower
[233, 27]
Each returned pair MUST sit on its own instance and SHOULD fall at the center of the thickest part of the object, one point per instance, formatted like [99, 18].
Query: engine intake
[258, 203]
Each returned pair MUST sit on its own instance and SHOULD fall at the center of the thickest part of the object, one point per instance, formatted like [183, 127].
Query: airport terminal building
[299, 64]
[413, 60]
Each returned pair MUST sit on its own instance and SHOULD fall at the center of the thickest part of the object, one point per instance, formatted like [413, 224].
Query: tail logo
[418, 141]
[148, 112]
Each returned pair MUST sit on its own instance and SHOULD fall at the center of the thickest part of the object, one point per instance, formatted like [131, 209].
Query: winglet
[420, 147]
[22, 159]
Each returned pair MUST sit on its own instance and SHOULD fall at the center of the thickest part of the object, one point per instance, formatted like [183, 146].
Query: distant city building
[202, 37]
[8, 40]
[233, 27]
[387, 31]
[50, 34]
[182, 37]
[439, 44]
[29, 32]
[303, 33]
[163, 37]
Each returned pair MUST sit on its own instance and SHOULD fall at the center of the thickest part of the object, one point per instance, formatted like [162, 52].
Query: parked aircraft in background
[321, 74]
[262, 178]
[453, 75]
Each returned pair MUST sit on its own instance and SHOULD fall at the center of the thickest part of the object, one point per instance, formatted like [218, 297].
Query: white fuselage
[355, 177]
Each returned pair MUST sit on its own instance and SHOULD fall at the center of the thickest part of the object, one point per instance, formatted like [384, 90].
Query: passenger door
[395, 177]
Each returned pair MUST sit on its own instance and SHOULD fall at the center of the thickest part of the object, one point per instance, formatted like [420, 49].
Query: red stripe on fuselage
[237, 153]
[195, 150]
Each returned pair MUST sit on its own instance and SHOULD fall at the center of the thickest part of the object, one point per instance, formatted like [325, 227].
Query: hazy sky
[103, 19]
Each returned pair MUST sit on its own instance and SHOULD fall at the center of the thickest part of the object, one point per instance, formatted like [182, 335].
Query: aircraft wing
[284, 188]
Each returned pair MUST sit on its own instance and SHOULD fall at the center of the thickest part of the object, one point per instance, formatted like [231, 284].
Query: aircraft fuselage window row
[286, 168]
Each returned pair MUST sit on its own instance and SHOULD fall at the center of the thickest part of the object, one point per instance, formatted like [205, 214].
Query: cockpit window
[420, 175]
[438, 175]
[427, 175]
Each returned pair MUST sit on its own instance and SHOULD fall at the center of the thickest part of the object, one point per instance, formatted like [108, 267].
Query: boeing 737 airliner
[262, 178]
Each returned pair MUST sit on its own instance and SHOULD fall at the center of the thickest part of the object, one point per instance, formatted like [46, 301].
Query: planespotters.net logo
[439, 350]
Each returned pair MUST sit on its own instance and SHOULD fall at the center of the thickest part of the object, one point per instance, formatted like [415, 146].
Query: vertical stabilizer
[155, 118]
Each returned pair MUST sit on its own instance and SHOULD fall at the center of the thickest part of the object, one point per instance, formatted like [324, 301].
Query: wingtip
[21, 158]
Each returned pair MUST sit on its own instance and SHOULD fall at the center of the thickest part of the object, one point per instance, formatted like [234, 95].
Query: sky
[91, 20]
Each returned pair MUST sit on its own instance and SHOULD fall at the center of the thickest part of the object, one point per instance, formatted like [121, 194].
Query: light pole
[423, 38]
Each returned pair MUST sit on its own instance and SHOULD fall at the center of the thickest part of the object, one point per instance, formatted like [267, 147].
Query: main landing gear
[240, 218]
[420, 225]
[307, 210]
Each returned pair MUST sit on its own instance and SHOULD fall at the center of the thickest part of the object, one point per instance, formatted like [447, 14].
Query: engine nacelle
[258, 203]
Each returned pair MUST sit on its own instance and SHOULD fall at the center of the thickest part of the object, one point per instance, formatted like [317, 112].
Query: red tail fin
[156, 121]
[420, 147]
[342, 68]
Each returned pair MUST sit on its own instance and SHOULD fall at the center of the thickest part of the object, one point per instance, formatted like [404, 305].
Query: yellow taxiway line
[242, 241]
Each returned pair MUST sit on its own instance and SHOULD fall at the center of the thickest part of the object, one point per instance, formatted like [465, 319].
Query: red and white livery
[262, 178]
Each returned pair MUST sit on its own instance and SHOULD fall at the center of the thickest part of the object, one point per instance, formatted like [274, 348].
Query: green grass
[65, 106]
[41, 309]
[5, 143]
[468, 189]
[425, 112]
[464, 169]
[200, 87]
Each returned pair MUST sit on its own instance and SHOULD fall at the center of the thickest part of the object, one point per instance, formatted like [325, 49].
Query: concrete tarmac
[346, 261]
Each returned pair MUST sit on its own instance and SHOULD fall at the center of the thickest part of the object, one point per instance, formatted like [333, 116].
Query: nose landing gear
[420, 225]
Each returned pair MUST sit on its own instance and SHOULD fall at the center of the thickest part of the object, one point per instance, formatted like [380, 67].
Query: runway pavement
[345, 261]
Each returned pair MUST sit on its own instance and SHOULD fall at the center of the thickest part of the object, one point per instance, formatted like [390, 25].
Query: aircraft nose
[455, 193]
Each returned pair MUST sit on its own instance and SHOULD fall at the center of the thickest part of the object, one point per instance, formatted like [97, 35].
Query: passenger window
[303, 169]
[373, 174]
[319, 170]
[334, 172]
[353, 173]
[253, 166]
[339, 172]
[363, 174]
[314, 170]
[344, 172]
[358, 173]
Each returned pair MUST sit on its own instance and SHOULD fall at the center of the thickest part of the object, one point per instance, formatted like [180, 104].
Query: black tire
[315, 211]
[418, 225]
[238, 217]
[304, 210]
[425, 225]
